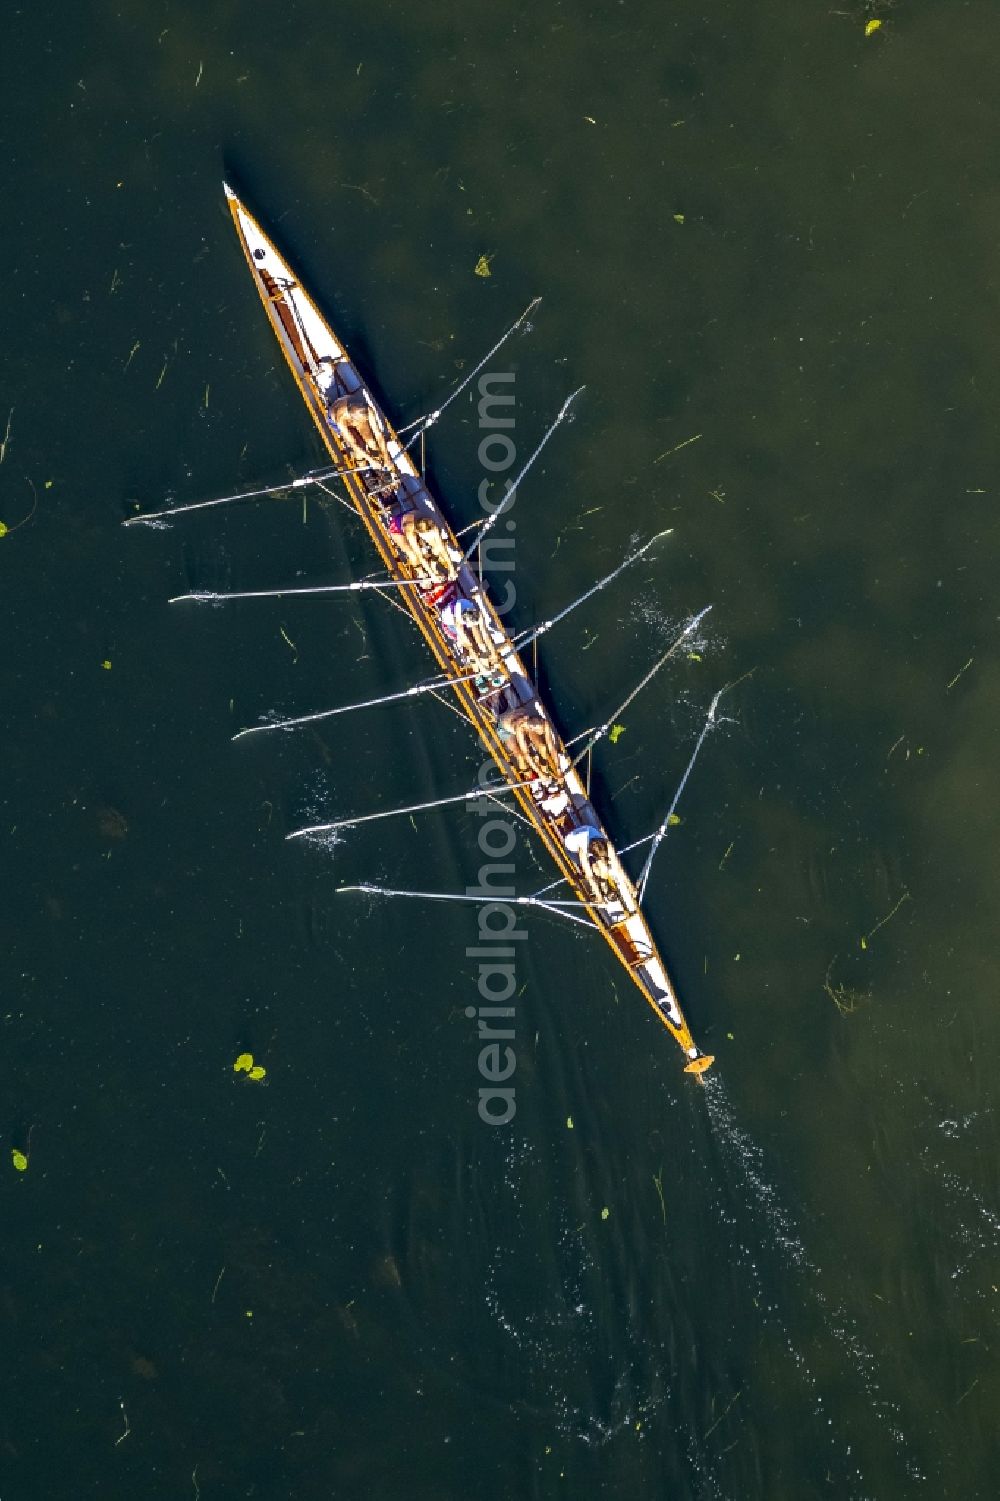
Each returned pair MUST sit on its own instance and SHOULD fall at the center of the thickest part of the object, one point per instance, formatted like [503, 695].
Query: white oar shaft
[209, 596]
[423, 423]
[223, 500]
[606, 727]
[430, 686]
[315, 478]
[511, 495]
[659, 834]
[526, 638]
[455, 896]
[440, 802]
[448, 896]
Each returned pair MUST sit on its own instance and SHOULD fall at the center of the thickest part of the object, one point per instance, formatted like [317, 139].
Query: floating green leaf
[617, 731]
[243, 1064]
[257, 1072]
[483, 266]
[605, 1213]
[19, 1160]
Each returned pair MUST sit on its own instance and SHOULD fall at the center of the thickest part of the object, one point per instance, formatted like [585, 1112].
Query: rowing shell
[309, 344]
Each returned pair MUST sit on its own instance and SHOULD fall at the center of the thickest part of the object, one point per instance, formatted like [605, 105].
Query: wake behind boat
[433, 576]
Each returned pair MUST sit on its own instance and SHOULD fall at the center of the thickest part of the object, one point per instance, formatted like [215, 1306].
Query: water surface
[767, 234]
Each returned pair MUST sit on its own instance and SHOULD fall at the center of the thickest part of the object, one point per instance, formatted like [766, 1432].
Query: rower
[534, 741]
[352, 414]
[425, 544]
[464, 622]
[599, 863]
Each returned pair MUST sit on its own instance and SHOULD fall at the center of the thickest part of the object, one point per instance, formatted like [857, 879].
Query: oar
[447, 896]
[314, 477]
[423, 423]
[659, 834]
[440, 802]
[209, 596]
[527, 637]
[512, 485]
[430, 686]
[603, 729]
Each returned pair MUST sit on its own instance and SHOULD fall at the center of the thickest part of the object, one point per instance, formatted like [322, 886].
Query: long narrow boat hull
[308, 344]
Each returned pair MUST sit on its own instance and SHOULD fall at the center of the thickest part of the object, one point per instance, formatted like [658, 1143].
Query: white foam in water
[559, 1338]
[316, 810]
[327, 840]
[956, 1128]
[769, 1313]
[977, 1237]
[664, 627]
[778, 1227]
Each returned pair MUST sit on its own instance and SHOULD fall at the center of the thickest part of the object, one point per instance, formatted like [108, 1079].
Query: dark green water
[341, 1283]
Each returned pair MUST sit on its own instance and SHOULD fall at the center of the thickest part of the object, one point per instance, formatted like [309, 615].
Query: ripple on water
[774, 1227]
